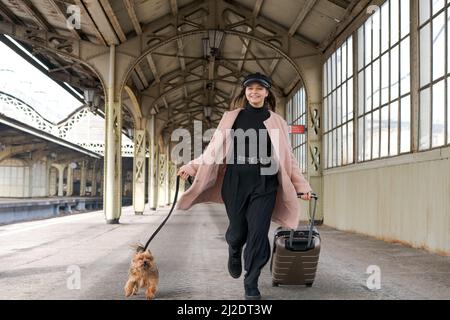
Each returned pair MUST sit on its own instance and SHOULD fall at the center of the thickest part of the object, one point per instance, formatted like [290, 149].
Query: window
[338, 106]
[384, 116]
[434, 40]
[296, 115]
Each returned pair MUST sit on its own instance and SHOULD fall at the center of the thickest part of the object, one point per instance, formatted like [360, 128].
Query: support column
[112, 200]
[151, 163]
[156, 177]
[161, 179]
[83, 178]
[139, 172]
[60, 168]
[94, 179]
[69, 192]
[167, 174]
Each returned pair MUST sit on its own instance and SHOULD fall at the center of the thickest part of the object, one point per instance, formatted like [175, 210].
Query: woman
[252, 199]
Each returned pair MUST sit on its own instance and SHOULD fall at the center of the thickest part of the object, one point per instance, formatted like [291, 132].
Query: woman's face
[255, 94]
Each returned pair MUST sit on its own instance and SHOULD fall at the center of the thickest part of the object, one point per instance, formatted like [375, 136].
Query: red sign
[297, 129]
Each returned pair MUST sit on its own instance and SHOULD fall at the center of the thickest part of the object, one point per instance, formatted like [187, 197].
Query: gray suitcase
[295, 254]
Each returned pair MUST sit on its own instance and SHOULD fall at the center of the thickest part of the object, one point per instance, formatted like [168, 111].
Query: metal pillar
[151, 164]
[167, 178]
[60, 168]
[83, 178]
[139, 172]
[112, 200]
[94, 179]
[69, 191]
[156, 177]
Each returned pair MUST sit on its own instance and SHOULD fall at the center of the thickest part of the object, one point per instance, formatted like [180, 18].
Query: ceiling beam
[9, 15]
[61, 12]
[152, 65]
[257, 7]
[31, 10]
[85, 13]
[113, 19]
[301, 16]
[129, 5]
[354, 9]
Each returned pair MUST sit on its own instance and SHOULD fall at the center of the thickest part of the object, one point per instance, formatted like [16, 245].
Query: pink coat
[209, 170]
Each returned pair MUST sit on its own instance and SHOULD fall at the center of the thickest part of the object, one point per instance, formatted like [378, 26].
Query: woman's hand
[183, 174]
[306, 196]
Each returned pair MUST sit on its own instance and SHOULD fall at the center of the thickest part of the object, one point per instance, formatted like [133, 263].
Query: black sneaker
[252, 294]
[234, 262]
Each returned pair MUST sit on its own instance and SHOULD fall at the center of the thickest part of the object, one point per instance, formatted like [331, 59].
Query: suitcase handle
[291, 235]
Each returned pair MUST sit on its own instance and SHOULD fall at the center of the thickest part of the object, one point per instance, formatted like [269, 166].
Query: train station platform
[39, 259]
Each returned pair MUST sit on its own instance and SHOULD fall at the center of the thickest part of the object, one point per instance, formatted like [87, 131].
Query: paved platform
[37, 258]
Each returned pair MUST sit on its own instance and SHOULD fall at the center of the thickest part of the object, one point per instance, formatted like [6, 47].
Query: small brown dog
[143, 273]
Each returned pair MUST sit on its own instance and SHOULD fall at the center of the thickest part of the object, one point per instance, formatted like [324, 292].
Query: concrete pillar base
[112, 221]
[138, 213]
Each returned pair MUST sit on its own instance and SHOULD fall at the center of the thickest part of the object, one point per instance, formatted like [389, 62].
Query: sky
[23, 81]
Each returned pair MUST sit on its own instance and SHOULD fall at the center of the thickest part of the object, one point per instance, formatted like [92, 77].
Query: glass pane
[368, 40]
[384, 131]
[394, 73]
[344, 62]
[350, 100]
[339, 67]
[385, 26]
[339, 146]
[438, 114]
[344, 102]
[376, 33]
[330, 113]
[361, 139]
[334, 149]
[360, 48]
[368, 92]
[339, 107]
[393, 132]
[438, 5]
[405, 71]
[330, 151]
[405, 125]
[361, 93]
[350, 142]
[424, 125]
[385, 78]
[368, 137]
[439, 46]
[425, 52]
[324, 80]
[344, 145]
[350, 57]
[448, 42]
[424, 10]
[405, 19]
[448, 114]
[329, 75]
[333, 71]
[395, 23]
[376, 84]
[376, 134]
[334, 94]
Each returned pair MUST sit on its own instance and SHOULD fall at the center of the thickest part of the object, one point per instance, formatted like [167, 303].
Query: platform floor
[36, 259]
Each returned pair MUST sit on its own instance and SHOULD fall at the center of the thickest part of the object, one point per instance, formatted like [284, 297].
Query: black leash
[167, 218]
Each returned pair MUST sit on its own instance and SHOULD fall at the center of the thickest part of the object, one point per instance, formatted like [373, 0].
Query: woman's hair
[241, 100]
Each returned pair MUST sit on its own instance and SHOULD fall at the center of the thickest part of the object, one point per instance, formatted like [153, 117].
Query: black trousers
[249, 199]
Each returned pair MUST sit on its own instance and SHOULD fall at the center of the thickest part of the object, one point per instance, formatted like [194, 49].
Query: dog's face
[143, 260]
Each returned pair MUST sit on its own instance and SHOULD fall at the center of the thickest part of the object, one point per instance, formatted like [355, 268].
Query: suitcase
[295, 254]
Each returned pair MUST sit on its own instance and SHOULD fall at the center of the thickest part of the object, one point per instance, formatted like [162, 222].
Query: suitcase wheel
[274, 284]
[309, 285]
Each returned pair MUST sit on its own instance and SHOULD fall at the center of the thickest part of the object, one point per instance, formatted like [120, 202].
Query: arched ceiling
[179, 79]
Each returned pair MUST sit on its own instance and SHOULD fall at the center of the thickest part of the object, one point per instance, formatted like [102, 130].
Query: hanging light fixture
[215, 38]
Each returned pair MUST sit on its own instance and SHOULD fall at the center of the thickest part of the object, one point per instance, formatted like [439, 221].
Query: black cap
[257, 77]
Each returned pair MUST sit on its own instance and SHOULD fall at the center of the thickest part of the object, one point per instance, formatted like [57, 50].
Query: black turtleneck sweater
[252, 118]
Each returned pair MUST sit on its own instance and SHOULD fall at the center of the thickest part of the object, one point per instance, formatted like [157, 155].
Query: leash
[168, 216]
